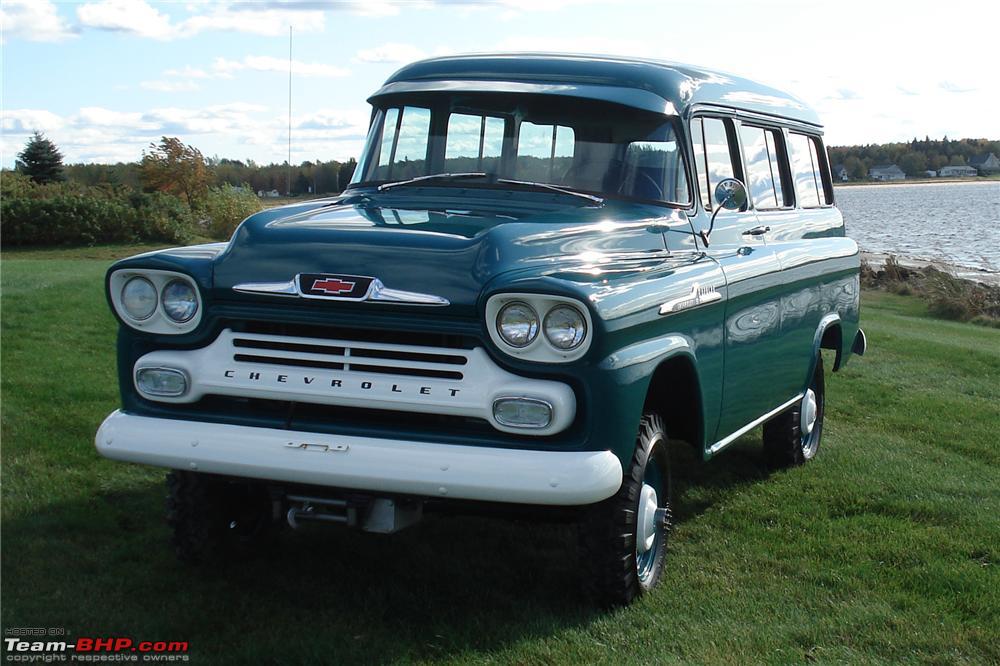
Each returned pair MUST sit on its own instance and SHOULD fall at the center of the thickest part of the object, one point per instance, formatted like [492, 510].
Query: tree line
[306, 178]
[913, 157]
[172, 195]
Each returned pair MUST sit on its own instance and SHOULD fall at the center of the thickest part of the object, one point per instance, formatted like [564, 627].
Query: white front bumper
[364, 463]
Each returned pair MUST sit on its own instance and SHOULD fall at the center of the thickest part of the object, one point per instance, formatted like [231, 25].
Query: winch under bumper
[561, 478]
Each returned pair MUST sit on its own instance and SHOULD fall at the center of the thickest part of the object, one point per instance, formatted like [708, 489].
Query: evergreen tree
[40, 160]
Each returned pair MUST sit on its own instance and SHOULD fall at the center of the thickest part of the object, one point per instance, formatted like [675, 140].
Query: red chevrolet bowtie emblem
[333, 286]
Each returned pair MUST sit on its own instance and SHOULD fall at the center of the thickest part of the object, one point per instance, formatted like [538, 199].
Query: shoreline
[918, 181]
[980, 275]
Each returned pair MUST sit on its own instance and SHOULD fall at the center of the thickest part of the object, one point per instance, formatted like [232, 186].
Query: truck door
[753, 281]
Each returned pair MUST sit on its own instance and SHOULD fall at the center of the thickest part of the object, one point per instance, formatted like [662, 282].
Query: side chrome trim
[699, 296]
[723, 443]
[272, 288]
[377, 292]
[373, 464]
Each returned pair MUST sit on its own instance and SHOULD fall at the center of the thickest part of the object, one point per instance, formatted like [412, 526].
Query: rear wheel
[792, 437]
[214, 517]
[624, 538]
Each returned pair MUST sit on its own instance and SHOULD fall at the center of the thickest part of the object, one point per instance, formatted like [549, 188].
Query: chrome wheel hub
[646, 524]
[807, 414]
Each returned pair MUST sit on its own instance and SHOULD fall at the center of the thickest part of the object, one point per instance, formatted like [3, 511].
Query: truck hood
[450, 249]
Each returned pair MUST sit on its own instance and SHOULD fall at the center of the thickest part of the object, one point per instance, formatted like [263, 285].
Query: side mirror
[731, 194]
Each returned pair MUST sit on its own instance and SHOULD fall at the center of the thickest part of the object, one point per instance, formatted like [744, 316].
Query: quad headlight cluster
[539, 327]
[156, 301]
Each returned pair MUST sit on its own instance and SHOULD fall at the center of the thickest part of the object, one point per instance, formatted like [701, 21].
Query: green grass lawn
[884, 549]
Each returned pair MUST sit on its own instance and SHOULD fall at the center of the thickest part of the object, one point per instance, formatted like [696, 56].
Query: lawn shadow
[451, 586]
[699, 484]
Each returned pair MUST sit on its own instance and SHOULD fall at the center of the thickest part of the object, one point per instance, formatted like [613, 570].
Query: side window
[544, 152]
[765, 171]
[810, 184]
[474, 143]
[716, 162]
[698, 146]
[403, 150]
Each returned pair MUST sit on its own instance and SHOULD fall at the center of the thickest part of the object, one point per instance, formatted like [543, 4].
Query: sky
[104, 78]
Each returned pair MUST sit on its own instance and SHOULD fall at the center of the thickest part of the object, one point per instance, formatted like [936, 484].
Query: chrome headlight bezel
[158, 321]
[581, 330]
[139, 281]
[168, 302]
[534, 323]
[540, 348]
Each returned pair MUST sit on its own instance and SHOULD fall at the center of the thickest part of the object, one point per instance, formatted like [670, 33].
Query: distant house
[886, 172]
[840, 172]
[986, 163]
[930, 173]
[269, 194]
[952, 171]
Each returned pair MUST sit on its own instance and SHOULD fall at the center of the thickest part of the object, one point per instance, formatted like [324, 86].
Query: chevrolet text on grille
[365, 385]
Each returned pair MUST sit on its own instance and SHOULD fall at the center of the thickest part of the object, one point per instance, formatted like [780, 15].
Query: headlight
[517, 324]
[179, 301]
[565, 327]
[139, 298]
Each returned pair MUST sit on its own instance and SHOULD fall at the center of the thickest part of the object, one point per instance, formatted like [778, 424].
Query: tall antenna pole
[288, 189]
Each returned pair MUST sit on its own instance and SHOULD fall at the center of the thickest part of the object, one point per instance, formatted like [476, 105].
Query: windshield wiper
[433, 176]
[555, 188]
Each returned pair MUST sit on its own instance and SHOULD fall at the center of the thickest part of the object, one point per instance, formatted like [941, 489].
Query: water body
[954, 223]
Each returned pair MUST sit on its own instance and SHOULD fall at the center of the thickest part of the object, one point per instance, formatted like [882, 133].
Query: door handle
[757, 231]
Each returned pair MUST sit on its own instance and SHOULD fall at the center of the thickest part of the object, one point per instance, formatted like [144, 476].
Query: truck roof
[654, 85]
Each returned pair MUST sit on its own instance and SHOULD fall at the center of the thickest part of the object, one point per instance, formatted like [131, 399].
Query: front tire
[624, 538]
[213, 518]
[792, 438]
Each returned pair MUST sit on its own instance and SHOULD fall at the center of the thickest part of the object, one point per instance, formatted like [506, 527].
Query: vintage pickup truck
[545, 269]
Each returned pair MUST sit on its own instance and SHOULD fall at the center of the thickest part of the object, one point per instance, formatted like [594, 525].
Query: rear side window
[810, 186]
[765, 170]
[713, 157]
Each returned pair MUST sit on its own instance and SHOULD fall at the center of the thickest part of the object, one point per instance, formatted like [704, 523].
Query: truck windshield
[586, 146]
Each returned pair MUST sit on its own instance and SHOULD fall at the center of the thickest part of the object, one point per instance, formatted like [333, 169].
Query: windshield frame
[442, 105]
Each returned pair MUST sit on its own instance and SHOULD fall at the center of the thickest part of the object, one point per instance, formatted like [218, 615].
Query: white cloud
[188, 72]
[26, 121]
[170, 86]
[96, 116]
[139, 18]
[34, 20]
[952, 87]
[223, 67]
[128, 16]
[254, 19]
[389, 53]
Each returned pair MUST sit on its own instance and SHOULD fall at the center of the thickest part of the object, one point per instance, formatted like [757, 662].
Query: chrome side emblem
[319, 448]
[335, 287]
[699, 296]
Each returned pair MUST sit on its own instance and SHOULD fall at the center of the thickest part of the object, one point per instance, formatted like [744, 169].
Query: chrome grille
[349, 356]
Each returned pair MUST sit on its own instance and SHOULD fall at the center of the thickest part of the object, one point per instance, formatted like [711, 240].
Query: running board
[723, 443]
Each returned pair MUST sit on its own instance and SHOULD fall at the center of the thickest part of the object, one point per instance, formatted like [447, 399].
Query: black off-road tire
[608, 530]
[784, 443]
[214, 518]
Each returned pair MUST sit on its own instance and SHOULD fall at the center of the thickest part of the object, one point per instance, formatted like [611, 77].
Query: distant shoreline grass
[992, 178]
[881, 550]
